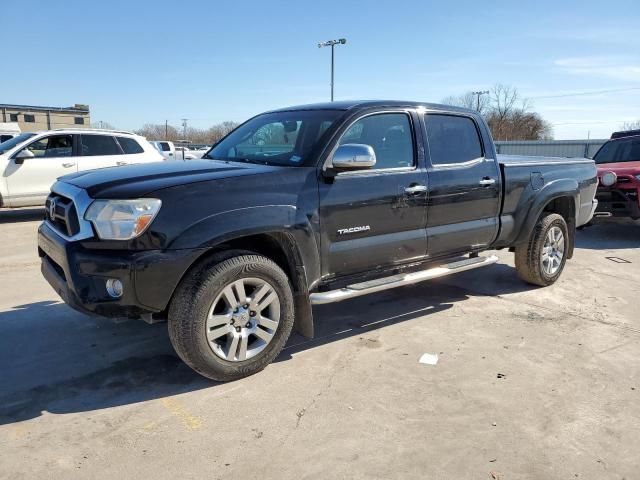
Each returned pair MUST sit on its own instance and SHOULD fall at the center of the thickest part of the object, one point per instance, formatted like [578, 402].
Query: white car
[8, 131]
[31, 162]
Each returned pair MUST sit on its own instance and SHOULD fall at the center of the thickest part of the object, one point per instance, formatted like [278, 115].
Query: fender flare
[294, 234]
[551, 191]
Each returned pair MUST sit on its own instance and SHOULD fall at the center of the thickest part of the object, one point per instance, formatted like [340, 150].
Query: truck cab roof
[364, 104]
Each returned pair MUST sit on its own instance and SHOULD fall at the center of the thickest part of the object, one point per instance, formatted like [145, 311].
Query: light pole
[477, 94]
[332, 44]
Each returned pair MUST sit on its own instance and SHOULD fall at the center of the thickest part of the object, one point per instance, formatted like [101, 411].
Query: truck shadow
[60, 361]
[610, 234]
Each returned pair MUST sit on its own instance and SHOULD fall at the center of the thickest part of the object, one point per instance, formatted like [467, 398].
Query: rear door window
[94, 145]
[452, 139]
[129, 146]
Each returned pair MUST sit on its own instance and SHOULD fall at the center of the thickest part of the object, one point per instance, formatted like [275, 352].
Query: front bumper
[618, 202]
[79, 275]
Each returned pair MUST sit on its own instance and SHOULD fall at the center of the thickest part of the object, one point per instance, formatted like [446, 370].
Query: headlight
[608, 179]
[122, 219]
[638, 177]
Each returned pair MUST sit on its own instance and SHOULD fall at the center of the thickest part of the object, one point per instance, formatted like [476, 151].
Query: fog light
[608, 179]
[114, 287]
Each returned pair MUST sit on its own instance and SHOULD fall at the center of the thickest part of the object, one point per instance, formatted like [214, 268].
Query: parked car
[618, 163]
[339, 200]
[8, 130]
[31, 162]
[172, 152]
[188, 154]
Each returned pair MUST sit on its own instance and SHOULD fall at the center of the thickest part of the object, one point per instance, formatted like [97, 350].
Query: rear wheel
[541, 260]
[230, 319]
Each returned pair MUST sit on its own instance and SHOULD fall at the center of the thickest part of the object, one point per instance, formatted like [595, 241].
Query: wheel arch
[561, 197]
[280, 246]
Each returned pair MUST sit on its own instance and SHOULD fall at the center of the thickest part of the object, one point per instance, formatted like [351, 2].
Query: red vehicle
[618, 163]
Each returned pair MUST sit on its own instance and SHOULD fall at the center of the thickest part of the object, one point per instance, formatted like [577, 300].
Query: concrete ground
[531, 383]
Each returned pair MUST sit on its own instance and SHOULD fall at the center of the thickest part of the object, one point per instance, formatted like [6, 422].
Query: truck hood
[141, 179]
[629, 168]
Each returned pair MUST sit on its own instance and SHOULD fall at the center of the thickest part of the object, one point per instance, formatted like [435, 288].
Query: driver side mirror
[354, 156]
[22, 155]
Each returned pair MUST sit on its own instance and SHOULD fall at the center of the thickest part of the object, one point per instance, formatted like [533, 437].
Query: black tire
[193, 301]
[528, 257]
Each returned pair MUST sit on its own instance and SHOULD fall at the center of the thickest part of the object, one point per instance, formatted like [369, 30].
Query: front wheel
[541, 260]
[230, 319]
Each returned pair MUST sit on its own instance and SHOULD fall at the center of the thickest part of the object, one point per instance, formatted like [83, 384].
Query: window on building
[93, 145]
[13, 117]
[78, 120]
[452, 139]
[29, 118]
[390, 136]
[54, 146]
[129, 145]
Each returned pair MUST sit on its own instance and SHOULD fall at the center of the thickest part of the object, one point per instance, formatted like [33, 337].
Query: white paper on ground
[429, 358]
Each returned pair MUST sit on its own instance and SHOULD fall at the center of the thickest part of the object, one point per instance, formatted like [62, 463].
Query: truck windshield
[627, 150]
[279, 138]
[9, 144]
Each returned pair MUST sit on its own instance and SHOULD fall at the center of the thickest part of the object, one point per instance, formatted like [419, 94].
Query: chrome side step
[364, 288]
[603, 214]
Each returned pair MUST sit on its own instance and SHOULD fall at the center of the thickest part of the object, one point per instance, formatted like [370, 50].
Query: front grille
[624, 180]
[62, 214]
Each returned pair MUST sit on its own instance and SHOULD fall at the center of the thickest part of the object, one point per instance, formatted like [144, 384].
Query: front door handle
[487, 181]
[120, 164]
[415, 189]
[69, 164]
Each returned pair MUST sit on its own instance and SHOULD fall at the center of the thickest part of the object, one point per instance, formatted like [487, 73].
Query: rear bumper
[618, 202]
[79, 275]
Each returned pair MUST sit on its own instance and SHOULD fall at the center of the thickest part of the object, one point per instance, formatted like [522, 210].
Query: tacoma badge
[344, 231]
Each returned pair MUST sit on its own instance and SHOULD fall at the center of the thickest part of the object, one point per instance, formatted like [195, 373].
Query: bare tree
[480, 103]
[507, 113]
[216, 132]
[104, 125]
[626, 126]
[156, 131]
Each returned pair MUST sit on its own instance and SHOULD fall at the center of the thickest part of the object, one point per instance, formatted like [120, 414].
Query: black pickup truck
[301, 206]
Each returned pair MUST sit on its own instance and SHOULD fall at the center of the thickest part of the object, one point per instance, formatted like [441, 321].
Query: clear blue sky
[146, 61]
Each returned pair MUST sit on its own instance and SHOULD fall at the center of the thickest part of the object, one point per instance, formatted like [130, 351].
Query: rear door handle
[69, 165]
[415, 189]
[121, 163]
[486, 181]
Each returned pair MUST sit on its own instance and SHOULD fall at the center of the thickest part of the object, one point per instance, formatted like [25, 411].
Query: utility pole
[332, 44]
[184, 135]
[477, 94]
[184, 128]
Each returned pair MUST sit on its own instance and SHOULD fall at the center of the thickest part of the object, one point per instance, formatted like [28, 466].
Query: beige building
[32, 118]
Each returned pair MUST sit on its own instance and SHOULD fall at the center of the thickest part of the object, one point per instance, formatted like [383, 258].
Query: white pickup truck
[172, 152]
[31, 162]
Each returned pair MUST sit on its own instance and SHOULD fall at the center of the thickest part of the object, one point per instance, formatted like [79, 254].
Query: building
[32, 118]
[550, 148]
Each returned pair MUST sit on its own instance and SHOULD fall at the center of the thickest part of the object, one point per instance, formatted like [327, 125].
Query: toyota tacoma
[302, 206]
